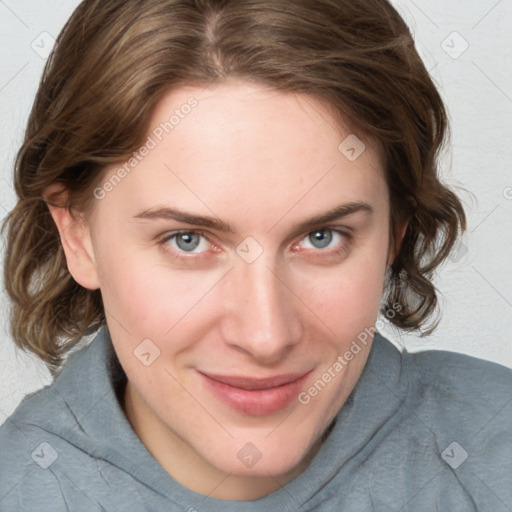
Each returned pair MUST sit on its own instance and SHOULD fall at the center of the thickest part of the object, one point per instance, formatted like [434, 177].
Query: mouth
[256, 396]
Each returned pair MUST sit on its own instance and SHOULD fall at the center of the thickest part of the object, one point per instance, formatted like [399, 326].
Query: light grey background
[466, 45]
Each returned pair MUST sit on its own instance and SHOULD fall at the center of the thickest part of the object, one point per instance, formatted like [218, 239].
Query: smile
[256, 396]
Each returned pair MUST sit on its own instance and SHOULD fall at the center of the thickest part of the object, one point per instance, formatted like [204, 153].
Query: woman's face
[239, 255]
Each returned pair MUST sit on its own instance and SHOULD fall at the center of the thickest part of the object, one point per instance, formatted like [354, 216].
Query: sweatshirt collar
[87, 387]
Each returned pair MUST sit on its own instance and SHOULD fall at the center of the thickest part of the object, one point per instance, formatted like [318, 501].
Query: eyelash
[339, 250]
[182, 255]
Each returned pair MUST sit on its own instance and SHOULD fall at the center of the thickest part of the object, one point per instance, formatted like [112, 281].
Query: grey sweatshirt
[420, 432]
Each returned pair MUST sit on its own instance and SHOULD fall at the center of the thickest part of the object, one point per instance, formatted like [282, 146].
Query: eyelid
[339, 249]
[332, 232]
[171, 234]
[163, 240]
[343, 231]
[346, 233]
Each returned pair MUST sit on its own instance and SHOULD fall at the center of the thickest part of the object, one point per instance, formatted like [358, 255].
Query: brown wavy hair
[115, 59]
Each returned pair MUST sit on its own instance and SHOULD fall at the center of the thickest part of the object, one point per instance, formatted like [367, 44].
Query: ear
[75, 237]
[394, 248]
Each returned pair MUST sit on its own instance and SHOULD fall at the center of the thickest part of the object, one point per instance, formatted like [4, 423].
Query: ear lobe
[75, 237]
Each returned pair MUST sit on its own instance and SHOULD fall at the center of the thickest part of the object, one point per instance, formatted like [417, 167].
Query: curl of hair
[115, 59]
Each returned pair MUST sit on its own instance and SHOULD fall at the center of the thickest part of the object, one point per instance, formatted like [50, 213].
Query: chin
[264, 457]
[272, 465]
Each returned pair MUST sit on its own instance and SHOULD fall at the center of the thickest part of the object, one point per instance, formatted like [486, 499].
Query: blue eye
[322, 238]
[188, 241]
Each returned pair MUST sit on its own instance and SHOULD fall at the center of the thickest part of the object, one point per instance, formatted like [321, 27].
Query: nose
[261, 312]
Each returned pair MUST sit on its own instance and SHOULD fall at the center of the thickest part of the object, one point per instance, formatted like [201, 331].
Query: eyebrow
[188, 218]
[336, 213]
[166, 213]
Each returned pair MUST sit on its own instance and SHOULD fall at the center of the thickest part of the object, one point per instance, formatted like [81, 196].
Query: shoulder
[453, 375]
[448, 442]
[466, 403]
[34, 447]
[27, 481]
[43, 465]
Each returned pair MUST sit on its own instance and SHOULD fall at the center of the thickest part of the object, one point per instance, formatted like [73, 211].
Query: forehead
[249, 151]
[247, 117]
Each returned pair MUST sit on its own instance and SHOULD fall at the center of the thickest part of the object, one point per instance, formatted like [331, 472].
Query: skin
[263, 162]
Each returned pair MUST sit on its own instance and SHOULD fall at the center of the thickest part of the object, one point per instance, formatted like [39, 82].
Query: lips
[256, 396]
[256, 384]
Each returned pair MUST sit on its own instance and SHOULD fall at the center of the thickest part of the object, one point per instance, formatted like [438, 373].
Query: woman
[226, 193]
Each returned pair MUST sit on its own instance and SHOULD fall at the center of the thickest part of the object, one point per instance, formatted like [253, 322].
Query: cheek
[153, 301]
[129, 288]
[346, 299]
